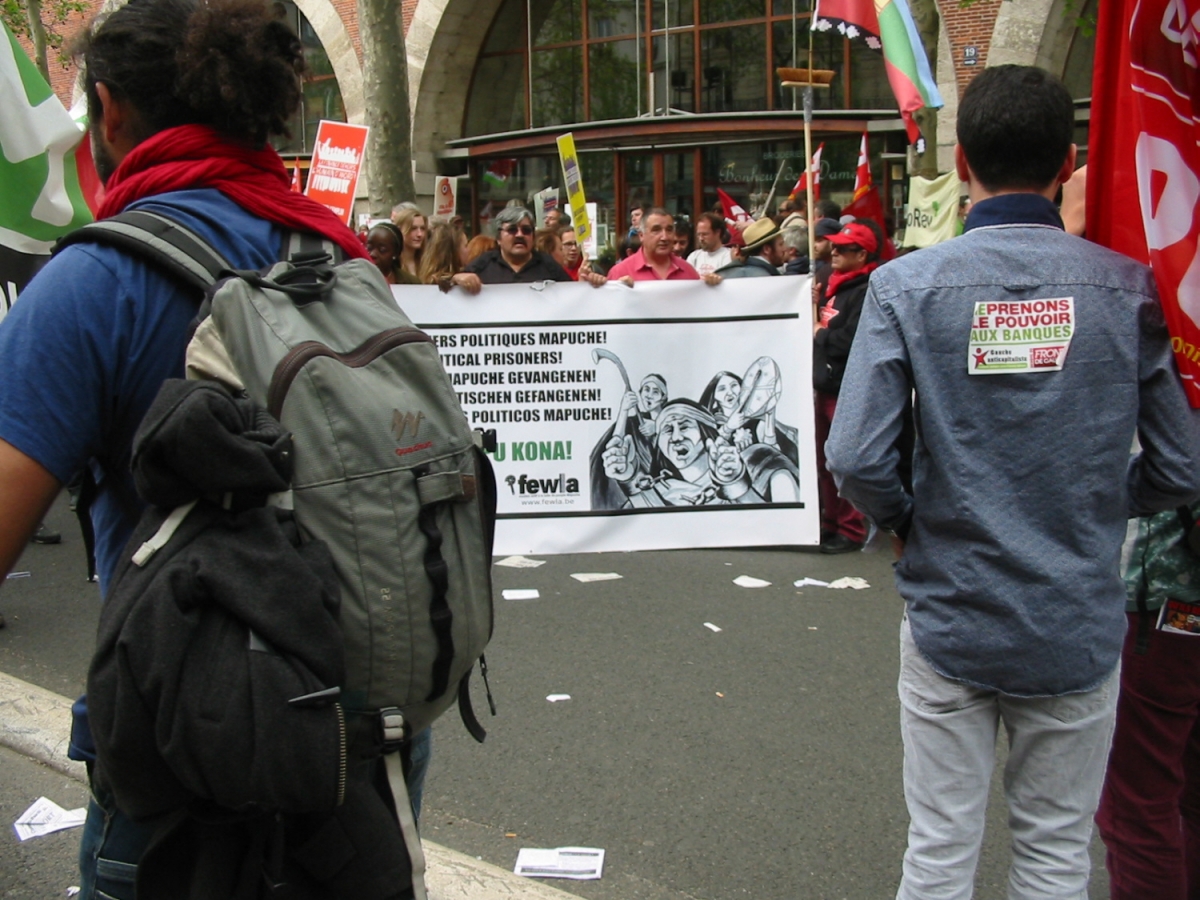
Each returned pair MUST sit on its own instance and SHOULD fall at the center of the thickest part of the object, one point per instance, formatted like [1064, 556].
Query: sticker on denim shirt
[1020, 336]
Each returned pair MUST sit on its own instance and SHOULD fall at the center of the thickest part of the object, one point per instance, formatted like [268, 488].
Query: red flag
[296, 186]
[89, 181]
[867, 206]
[1142, 156]
[732, 210]
[862, 175]
[802, 183]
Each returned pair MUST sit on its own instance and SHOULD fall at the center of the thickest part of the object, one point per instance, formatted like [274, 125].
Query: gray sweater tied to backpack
[212, 693]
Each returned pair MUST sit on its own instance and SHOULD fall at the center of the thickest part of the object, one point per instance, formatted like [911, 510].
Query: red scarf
[837, 279]
[196, 156]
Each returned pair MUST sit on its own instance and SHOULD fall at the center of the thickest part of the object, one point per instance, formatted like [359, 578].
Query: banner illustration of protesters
[727, 449]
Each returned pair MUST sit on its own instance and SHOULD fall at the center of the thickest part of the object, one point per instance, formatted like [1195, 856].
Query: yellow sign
[574, 180]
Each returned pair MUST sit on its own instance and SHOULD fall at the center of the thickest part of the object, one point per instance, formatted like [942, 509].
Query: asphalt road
[759, 761]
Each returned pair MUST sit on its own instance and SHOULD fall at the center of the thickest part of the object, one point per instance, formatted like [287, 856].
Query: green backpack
[387, 471]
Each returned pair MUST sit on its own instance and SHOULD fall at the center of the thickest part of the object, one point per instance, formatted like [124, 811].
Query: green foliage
[53, 14]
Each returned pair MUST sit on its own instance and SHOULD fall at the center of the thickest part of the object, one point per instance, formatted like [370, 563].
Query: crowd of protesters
[1007, 510]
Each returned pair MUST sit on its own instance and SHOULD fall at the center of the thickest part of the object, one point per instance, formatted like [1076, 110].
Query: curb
[36, 723]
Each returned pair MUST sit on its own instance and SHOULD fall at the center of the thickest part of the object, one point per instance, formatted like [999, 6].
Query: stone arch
[347, 68]
[1020, 29]
[450, 32]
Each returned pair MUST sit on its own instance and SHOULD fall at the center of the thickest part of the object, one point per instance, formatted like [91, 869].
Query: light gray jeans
[1058, 750]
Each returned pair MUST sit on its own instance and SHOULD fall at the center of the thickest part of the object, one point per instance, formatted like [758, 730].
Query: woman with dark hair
[721, 394]
[630, 244]
[384, 243]
[442, 263]
[855, 257]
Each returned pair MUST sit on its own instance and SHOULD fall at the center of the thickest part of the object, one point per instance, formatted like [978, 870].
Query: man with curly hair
[183, 96]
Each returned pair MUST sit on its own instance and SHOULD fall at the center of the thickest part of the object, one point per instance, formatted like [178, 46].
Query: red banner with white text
[1143, 159]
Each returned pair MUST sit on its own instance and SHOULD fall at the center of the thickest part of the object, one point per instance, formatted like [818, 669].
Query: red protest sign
[336, 163]
[1143, 156]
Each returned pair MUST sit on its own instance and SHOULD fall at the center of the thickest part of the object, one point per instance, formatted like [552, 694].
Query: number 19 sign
[336, 164]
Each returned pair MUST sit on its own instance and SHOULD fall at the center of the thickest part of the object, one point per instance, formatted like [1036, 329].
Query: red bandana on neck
[195, 156]
[837, 278]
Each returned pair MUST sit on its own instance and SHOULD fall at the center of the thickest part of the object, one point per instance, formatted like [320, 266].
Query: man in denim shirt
[1035, 358]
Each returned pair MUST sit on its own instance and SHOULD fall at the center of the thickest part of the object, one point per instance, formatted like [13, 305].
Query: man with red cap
[855, 256]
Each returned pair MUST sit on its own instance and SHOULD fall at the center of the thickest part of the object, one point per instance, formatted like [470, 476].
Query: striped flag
[862, 175]
[40, 195]
[888, 26]
[802, 182]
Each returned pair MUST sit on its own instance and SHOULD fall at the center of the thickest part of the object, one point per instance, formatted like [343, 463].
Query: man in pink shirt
[656, 260]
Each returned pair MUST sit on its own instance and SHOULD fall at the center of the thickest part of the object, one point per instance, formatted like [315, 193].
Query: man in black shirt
[515, 261]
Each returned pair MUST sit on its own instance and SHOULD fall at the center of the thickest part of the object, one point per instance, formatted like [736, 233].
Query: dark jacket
[492, 269]
[831, 345]
[797, 265]
[213, 690]
[752, 267]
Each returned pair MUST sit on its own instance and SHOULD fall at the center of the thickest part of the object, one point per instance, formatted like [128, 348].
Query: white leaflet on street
[585, 577]
[520, 562]
[747, 582]
[45, 817]
[711, 627]
[18, 575]
[859, 584]
[555, 698]
[810, 581]
[578, 863]
[520, 594]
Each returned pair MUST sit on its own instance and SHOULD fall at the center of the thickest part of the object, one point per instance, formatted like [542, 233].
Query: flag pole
[808, 110]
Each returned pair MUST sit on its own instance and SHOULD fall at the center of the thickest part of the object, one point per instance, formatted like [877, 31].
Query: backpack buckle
[391, 728]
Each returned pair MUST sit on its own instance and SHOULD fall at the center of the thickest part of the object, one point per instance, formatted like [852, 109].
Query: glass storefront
[559, 62]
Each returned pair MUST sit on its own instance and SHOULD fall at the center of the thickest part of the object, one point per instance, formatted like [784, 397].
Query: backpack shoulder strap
[161, 241]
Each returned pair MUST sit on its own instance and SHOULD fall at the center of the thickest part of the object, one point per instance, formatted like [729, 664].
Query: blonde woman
[442, 261]
[415, 228]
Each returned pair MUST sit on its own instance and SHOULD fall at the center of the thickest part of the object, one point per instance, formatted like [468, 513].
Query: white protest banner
[932, 210]
[667, 415]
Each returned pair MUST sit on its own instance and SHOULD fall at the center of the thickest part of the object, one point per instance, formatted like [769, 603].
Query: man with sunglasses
[515, 261]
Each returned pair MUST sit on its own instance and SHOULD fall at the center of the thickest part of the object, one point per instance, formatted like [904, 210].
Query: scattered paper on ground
[719, 694]
[711, 627]
[521, 594]
[18, 575]
[813, 581]
[45, 817]
[859, 584]
[579, 863]
[554, 698]
[520, 562]
[585, 577]
[747, 581]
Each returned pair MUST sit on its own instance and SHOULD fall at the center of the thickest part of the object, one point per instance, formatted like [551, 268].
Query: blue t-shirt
[90, 341]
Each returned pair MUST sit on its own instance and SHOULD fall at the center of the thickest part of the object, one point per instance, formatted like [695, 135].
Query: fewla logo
[560, 486]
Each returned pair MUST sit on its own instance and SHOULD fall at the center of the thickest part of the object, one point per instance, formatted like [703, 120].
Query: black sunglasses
[513, 229]
[847, 249]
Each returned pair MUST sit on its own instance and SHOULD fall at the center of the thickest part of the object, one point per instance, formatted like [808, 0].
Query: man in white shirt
[709, 255]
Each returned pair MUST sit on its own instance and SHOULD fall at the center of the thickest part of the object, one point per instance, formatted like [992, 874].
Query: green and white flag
[40, 197]
[932, 213]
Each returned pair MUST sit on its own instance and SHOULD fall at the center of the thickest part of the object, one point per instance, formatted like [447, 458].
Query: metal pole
[808, 112]
[638, 53]
[529, 55]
